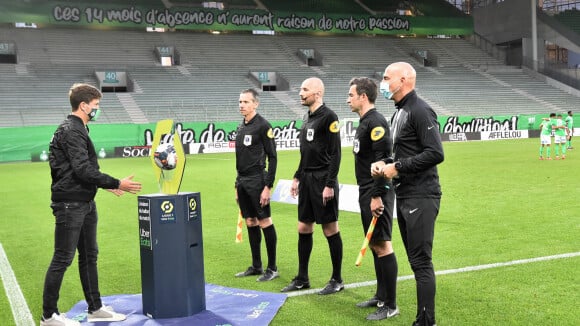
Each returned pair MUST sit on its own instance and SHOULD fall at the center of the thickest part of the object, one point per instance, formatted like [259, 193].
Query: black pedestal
[172, 269]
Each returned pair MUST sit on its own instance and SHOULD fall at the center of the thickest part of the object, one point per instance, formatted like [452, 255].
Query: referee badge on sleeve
[334, 127]
[377, 133]
[248, 140]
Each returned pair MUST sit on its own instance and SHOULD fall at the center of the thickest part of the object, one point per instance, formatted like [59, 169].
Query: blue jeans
[75, 229]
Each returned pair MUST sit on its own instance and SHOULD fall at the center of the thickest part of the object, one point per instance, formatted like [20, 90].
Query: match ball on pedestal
[165, 156]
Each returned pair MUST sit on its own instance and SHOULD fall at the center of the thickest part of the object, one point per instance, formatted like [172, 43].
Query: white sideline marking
[449, 271]
[20, 310]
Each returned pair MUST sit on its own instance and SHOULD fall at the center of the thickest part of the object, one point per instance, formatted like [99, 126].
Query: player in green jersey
[569, 121]
[559, 137]
[545, 135]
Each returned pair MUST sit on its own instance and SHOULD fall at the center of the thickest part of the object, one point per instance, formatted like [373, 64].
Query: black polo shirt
[320, 144]
[254, 143]
[372, 142]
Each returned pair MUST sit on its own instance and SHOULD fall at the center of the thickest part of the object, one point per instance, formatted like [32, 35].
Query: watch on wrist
[398, 165]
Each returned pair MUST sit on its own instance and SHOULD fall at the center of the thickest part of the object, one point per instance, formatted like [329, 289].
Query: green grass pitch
[500, 204]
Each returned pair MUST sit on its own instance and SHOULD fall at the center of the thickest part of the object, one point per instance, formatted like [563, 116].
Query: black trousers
[75, 229]
[416, 218]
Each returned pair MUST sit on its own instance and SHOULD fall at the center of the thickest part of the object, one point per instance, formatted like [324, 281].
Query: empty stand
[215, 68]
[324, 6]
[570, 18]
[436, 8]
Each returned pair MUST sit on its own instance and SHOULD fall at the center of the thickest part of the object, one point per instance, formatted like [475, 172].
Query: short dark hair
[365, 85]
[552, 115]
[79, 93]
[253, 92]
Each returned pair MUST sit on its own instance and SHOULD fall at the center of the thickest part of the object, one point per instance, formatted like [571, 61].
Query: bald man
[316, 182]
[417, 150]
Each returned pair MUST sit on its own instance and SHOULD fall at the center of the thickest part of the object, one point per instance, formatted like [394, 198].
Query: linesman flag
[239, 228]
[366, 241]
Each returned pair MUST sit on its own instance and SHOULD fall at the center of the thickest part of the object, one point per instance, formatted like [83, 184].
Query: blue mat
[224, 306]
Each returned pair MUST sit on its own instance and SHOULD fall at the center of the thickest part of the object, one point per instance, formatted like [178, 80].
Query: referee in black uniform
[372, 142]
[316, 182]
[254, 143]
[417, 151]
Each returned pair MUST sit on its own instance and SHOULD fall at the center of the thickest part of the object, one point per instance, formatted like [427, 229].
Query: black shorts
[310, 208]
[384, 227]
[249, 191]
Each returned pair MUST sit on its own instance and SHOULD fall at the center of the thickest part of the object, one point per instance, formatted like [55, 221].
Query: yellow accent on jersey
[270, 133]
[377, 133]
[334, 127]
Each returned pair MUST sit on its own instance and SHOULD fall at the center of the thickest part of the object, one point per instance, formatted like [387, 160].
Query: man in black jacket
[75, 180]
[417, 150]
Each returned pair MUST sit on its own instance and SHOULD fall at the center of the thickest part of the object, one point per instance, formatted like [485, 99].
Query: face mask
[94, 114]
[384, 89]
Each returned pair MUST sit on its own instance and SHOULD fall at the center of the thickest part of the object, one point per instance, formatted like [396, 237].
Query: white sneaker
[59, 320]
[106, 313]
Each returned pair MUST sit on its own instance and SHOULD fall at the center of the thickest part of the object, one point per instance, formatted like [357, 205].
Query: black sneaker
[250, 271]
[372, 302]
[331, 287]
[383, 312]
[268, 275]
[296, 284]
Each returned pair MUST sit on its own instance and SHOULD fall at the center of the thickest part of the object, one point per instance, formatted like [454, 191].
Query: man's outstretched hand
[127, 184]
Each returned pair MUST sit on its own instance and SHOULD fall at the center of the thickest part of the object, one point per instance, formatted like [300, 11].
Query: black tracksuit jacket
[417, 145]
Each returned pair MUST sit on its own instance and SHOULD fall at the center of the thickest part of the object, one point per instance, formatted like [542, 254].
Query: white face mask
[384, 89]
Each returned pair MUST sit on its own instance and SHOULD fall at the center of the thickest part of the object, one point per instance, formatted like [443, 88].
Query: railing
[554, 7]
[550, 7]
[559, 72]
[489, 47]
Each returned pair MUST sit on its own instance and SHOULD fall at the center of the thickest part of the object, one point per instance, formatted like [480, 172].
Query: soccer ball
[165, 156]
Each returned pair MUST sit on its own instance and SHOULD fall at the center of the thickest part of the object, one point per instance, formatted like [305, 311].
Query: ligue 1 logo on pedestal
[168, 158]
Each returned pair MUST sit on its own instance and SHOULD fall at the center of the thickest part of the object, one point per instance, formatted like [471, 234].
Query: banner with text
[134, 140]
[130, 15]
